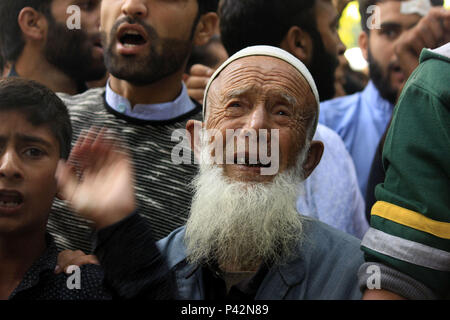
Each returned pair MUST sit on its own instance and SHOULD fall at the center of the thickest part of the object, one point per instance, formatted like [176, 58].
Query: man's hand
[431, 32]
[380, 294]
[197, 80]
[69, 258]
[97, 181]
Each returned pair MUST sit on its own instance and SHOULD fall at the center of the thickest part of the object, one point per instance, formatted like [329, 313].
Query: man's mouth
[250, 162]
[395, 69]
[131, 35]
[98, 44]
[10, 199]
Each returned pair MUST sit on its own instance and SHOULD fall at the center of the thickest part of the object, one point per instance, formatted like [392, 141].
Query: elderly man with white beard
[244, 238]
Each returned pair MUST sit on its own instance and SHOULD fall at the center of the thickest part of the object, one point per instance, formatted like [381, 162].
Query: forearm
[379, 281]
[133, 265]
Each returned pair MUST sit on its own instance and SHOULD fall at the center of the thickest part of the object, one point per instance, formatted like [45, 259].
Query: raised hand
[197, 80]
[431, 32]
[97, 180]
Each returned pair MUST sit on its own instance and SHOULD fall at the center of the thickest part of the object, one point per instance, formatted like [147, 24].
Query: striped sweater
[161, 186]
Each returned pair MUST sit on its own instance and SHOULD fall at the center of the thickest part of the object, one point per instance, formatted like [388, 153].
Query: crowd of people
[358, 207]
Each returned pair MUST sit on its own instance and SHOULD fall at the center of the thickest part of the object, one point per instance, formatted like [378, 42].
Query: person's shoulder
[336, 112]
[335, 152]
[172, 247]
[331, 259]
[340, 103]
[328, 136]
[442, 52]
[90, 99]
[432, 76]
[323, 240]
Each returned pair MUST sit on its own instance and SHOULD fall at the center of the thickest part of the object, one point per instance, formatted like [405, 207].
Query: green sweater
[410, 223]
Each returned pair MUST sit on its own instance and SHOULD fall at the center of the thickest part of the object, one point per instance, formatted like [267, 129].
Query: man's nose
[258, 118]
[9, 168]
[341, 47]
[135, 8]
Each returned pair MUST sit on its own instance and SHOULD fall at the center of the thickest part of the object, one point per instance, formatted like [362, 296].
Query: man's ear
[32, 23]
[194, 128]
[363, 42]
[59, 196]
[299, 43]
[313, 158]
[205, 28]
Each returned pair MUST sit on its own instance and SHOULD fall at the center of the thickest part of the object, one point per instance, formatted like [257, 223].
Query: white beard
[238, 224]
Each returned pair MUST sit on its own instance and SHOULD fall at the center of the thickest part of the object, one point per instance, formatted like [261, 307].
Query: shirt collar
[151, 112]
[372, 97]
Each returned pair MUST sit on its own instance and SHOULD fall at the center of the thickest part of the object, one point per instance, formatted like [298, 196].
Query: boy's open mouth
[10, 199]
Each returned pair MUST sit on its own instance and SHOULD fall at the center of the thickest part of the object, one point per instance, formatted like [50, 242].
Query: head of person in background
[384, 24]
[149, 42]
[55, 42]
[306, 29]
[35, 134]
[212, 54]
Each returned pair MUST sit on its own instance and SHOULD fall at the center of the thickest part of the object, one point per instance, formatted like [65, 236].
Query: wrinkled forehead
[262, 72]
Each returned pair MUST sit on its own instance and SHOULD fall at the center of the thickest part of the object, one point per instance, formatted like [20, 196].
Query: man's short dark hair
[11, 38]
[261, 22]
[40, 106]
[365, 15]
[205, 6]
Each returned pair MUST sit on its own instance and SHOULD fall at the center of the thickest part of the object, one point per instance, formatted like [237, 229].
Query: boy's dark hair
[40, 106]
[262, 22]
[11, 39]
[364, 4]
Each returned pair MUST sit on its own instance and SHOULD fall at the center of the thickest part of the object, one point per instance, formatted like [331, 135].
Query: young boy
[35, 133]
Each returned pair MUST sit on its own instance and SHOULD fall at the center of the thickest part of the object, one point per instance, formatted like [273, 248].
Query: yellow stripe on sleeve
[411, 219]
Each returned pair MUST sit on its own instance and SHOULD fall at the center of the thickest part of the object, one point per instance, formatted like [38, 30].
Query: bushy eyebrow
[392, 25]
[290, 99]
[236, 93]
[33, 139]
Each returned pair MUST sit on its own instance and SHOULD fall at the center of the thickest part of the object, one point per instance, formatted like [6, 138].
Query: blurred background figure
[391, 46]
[37, 43]
[211, 54]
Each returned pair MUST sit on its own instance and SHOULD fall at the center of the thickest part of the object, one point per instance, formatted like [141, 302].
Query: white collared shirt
[151, 112]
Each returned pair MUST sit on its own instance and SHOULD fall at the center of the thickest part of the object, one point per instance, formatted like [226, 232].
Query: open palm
[97, 180]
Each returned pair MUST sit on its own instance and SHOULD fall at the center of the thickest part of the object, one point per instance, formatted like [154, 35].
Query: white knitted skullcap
[271, 52]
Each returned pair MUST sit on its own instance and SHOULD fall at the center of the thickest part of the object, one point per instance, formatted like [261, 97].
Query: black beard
[323, 66]
[165, 57]
[71, 52]
[381, 80]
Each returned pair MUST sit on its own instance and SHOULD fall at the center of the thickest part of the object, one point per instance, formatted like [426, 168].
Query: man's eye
[281, 112]
[390, 33]
[34, 153]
